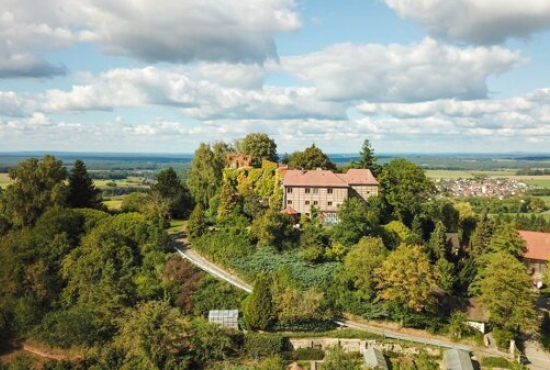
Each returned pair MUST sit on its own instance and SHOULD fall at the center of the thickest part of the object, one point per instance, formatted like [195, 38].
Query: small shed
[457, 359]
[374, 359]
[225, 318]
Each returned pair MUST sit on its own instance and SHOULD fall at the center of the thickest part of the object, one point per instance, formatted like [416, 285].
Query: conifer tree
[82, 191]
[258, 308]
[196, 226]
[506, 239]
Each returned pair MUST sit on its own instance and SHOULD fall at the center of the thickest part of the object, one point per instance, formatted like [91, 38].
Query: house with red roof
[537, 253]
[326, 190]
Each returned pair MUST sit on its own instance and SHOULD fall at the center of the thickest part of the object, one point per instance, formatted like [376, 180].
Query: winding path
[204, 264]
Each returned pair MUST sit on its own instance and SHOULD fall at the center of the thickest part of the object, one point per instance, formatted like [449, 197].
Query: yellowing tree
[406, 278]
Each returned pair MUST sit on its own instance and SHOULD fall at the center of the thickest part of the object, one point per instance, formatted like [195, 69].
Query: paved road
[539, 359]
[213, 269]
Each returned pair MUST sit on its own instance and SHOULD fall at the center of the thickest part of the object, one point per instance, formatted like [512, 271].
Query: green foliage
[310, 159]
[262, 345]
[205, 175]
[259, 146]
[273, 229]
[258, 309]
[403, 188]
[362, 261]
[307, 354]
[354, 222]
[367, 159]
[505, 291]
[225, 243]
[481, 237]
[396, 233]
[174, 192]
[196, 226]
[210, 342]
[337, 359]
[458, 324]
[406, 278]
[212, 294]
[134, 202]
[296, 307]
[37, 185]
[82, 193]
[154, 336]
[499, 362]
[507, 239]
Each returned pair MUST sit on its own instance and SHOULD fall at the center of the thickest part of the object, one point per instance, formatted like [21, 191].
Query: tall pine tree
[82, 191]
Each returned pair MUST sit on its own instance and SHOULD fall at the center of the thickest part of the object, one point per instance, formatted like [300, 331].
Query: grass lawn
[113, 205]
[539, 181]
[130, 182]
[4, 180]
[176, 226]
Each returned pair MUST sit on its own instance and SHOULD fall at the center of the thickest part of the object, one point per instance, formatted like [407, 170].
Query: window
[289, 190]
[329, 204]
[315, 202]
[307, 202]
[308, 190]
[315, 190]
[289, 202]
[329, 191]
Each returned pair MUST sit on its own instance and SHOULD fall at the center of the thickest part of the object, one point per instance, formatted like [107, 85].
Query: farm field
[509, 174]
[4, 180]
[113, 205]
[130, 182]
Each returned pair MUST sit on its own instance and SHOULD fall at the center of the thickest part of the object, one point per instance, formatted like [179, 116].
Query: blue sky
[162, 75]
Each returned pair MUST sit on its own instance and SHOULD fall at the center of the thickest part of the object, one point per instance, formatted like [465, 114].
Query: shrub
[262, 345]
[503, 337]
[307, 354]
[496, 362]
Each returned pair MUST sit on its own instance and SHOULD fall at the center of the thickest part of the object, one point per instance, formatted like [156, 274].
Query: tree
[362, 261]
[154, 336]
[259, 146]
[134, 202]
[406, 279]
[367, 159]
[311, 158]
[506, 239]
[210, 342]
[505, 291]
[437, 245]
[205, 175]
[173, 192]
[295, 306]
[37, 185]
[481, 237]
[354, 222]
[338, 359]
[82, 191]
[403, 188]
[272, 229]
[196, 226]
[258, 308]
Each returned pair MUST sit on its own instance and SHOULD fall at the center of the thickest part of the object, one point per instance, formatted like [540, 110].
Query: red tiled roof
[538, 245]
[313, 178]
[358, 177]
[328, 178]
[289, 211]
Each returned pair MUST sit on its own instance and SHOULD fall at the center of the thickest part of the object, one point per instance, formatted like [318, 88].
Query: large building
[326, 190]
[537, 253]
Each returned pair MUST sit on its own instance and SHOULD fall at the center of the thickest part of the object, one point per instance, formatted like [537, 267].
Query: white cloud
[150, 30]
[196, 97]
[424, 71]
[477, 21]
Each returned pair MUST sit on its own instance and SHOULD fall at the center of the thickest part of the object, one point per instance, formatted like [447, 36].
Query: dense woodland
[76, 276]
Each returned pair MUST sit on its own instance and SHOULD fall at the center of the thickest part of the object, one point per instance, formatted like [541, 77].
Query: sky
[162, 76]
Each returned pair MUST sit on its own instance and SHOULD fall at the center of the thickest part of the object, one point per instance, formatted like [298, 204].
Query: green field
[130, 182]
[113, 205]
[176, 226]
[4, 180]
[541, 182]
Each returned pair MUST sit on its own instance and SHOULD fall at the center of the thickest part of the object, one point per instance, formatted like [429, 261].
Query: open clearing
[130, 182]
[4, 180]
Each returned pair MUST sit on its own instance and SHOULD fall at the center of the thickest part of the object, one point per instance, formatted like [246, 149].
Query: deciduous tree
[362, 261]
[311, 158]
[259, 146]
[406, 278]
[205, 175]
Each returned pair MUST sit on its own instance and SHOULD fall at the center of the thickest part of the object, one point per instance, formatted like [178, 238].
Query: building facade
[536, 254]
[326, 190]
